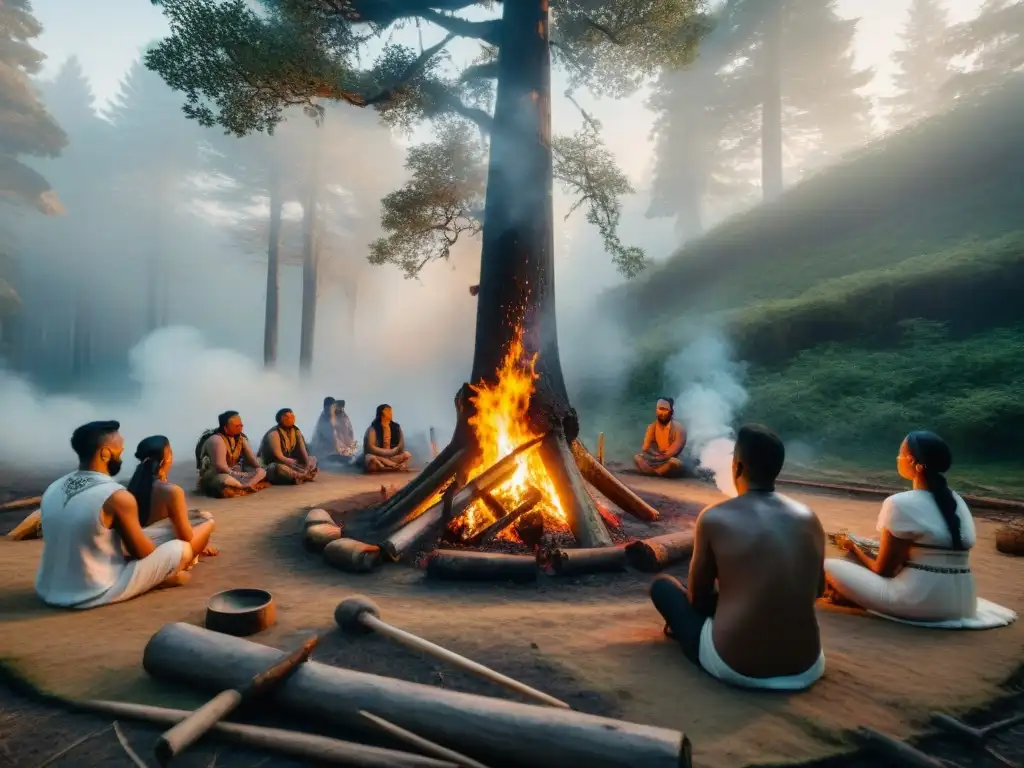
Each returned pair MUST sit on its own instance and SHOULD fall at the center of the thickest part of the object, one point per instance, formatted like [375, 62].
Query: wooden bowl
[241, 612]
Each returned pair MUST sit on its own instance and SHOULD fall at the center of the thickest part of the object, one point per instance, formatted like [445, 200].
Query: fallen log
[580, 509]
[402, 541]
[462, 565]
[26, 503]
[318, 749]
[576, 562]
[29, 528]
[530, 500]
[317, 517]
[352, 556]
[316, 537]
[659, 552]
[603, 480]
[493, 731]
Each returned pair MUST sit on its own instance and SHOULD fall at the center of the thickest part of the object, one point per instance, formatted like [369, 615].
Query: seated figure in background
[921, 571]
[94, 550]
[227, 466]
[283, 452]
[163, 513]
[334, 439]
[384, 444]
[663, 443]
[758, 629]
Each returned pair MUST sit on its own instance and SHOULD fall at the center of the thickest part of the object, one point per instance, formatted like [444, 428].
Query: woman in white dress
[921, 572]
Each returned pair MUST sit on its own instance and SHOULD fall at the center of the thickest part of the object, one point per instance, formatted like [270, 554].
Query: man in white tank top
[89, 522]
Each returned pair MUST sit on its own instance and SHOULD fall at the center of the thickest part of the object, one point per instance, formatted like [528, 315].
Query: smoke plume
[711, 395]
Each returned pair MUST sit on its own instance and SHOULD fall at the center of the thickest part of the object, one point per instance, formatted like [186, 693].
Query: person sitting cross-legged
[90, 521]
[384, 444]
[758, 629]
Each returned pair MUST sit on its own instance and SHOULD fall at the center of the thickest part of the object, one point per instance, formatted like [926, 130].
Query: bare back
[768, 553]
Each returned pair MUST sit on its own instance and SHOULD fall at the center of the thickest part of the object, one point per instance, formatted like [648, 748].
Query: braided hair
[933, 454]
[150, 452]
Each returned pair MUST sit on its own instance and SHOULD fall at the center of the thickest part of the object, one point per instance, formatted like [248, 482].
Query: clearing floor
[594, 641]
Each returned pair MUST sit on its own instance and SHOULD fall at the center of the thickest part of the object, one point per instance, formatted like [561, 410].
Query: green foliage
[442, 201]
[26, 129]
[854, 401]
[240, 68]
[587, 170]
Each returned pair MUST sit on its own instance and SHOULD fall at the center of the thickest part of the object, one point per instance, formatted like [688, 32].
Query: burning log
[493, 731]
[316, 537]
[352, 556]
[608, 484]
[460, 565]
[531, 499]
[575, 562]
[399, 543]
[609, 519]
[659, 552]
[407, 499]
[580, 510]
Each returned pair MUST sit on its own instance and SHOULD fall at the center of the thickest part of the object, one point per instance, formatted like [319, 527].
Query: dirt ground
[593, 641]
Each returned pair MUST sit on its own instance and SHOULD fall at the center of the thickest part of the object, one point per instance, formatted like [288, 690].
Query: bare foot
[179, 579]
[210, 551]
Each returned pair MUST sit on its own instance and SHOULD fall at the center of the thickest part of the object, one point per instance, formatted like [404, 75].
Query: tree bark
[310, 259]
[271, 321]
[517, 270]
[771, 105]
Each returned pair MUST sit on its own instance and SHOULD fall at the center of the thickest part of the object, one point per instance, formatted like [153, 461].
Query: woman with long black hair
[921, 571]
[162, 509]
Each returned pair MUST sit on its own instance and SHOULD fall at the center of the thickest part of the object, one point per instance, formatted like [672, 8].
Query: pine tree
[26, 127]
[995, 40]
[923, 69]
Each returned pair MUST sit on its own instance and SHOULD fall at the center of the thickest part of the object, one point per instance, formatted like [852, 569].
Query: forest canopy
[241, 67]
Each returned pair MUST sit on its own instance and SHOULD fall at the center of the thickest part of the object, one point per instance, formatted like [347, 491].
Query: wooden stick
[308, 746]
[659, 552]
[72, 746]
[128, 747]
[493, 505]
[979, 735]
[186, 733]
[419, 489]
[617, 492]
[574, 562]
[31, 501]
[433, 443]
[422, 745]
[580, 510]
[490, 730]
[531, 499]
[600, 449]
[29, 528]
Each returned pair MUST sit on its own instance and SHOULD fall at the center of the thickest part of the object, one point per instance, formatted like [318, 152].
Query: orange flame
[501, 425]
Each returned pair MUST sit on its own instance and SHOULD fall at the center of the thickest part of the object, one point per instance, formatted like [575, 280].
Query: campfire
[502, 483]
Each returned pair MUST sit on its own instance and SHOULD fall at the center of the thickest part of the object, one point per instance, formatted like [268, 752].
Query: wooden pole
[29, 528]
[31, 501]
[186, 733]
[617, 492]
[580, 509]
[318, 749]
[467, 565]
[489, 730]
[600, 449]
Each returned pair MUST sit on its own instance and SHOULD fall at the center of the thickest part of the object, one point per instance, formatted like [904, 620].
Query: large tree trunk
[517, 269]
[310, 267]
[771, 105]
[271, 321]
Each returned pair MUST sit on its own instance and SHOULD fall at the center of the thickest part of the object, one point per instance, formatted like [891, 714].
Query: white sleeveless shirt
[81, 558]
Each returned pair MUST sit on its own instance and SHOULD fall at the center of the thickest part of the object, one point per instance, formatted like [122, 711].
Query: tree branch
[376, 12]
[488, 70]
[488, 31]
[612, 37]
[446, 101]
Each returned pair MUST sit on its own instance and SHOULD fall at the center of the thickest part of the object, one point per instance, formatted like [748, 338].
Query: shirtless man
[384, 444]
[284, 454]
[663, 442]
[94, 550]
[227, 466]
[758, 629]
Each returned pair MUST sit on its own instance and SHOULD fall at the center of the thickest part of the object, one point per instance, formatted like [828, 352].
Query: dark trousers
[682, 621]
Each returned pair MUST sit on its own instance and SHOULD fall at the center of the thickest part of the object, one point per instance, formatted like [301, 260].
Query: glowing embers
[500, 423]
